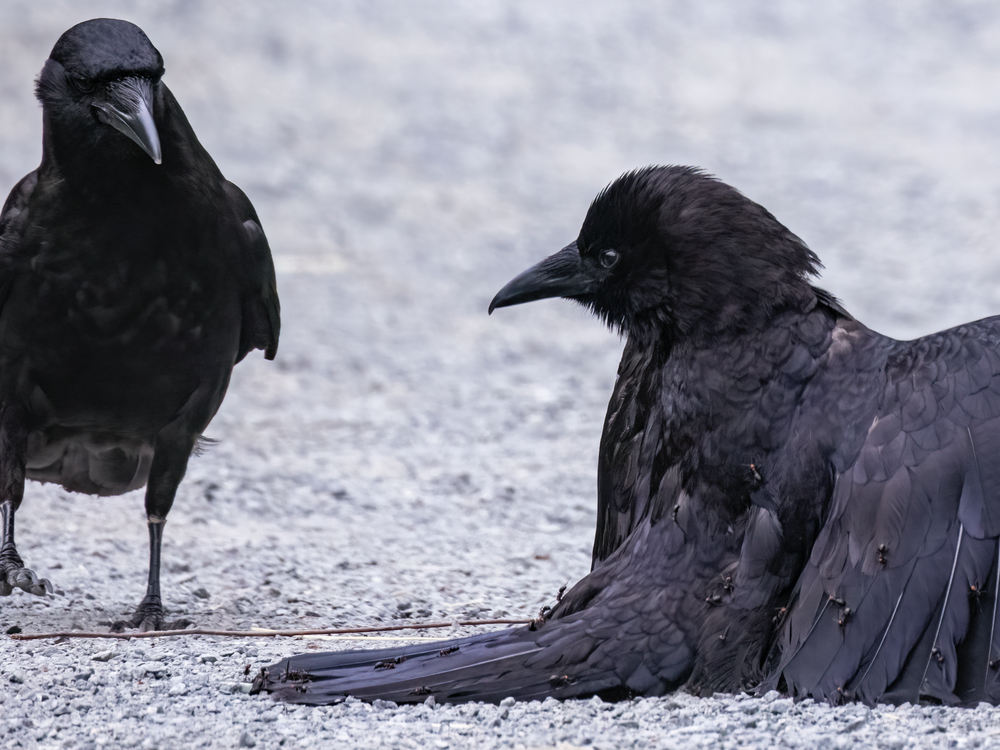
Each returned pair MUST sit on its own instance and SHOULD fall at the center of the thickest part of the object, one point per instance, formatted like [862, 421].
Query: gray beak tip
[130, 111]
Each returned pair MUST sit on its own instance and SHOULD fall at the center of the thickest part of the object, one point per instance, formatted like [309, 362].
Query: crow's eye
[608, 258]
[83, 85]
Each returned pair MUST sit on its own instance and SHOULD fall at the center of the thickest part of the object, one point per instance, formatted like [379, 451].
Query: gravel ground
[407, 457]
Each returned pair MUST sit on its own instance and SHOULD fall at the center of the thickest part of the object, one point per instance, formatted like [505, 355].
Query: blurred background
[406, 160]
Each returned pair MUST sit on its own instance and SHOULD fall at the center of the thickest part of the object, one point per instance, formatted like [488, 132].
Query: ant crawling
[779, 618]
[845, 613]
[540, 620]
[976, 595]
[390, 663]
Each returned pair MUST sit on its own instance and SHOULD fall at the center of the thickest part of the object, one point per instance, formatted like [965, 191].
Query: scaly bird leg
[13, 574]
[13, 445]
[169, 464]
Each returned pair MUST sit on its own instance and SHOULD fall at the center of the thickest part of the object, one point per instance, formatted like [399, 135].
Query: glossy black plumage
[133, 277]
[786, 498]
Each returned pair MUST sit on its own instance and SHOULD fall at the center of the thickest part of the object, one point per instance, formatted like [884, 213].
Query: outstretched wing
[254, 269]
[899, 598]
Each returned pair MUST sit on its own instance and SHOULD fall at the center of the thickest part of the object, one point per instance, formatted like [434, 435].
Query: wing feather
[911, 538]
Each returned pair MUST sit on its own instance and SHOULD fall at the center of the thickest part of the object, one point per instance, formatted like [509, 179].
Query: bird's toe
[149, 617]
[24, 579]
[38, 586]
[151, 623]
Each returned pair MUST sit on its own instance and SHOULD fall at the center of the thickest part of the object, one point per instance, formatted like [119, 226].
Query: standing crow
[133, 277]
[785, 498]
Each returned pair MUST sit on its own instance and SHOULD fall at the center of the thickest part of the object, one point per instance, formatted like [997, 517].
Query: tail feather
[602, 638]
[486, 667]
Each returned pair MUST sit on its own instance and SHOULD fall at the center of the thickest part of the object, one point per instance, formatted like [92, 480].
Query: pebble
[177, 687]
[153, 668]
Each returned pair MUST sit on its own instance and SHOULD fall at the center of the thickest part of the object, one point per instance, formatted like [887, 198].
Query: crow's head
[673, 251]
[98, 89]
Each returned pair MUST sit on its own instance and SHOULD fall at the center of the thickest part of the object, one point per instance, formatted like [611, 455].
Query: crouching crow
[786, 498]
[133, 277]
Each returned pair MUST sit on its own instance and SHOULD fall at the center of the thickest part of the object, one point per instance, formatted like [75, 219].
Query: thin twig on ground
[261, 633]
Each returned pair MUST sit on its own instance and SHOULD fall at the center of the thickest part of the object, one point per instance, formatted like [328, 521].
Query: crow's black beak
[559, 275]
[129, 108]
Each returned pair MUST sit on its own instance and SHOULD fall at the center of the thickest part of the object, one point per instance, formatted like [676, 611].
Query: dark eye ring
[83, 85]
[608, 258]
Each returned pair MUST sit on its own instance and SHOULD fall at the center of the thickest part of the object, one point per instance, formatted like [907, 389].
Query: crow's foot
[149, 616]
[13, 575]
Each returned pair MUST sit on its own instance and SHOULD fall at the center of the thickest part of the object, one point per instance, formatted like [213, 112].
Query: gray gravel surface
[409, 458]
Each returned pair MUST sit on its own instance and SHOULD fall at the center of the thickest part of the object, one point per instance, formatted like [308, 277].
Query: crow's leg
[169, 464]
[13, 574]
[13, 445]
